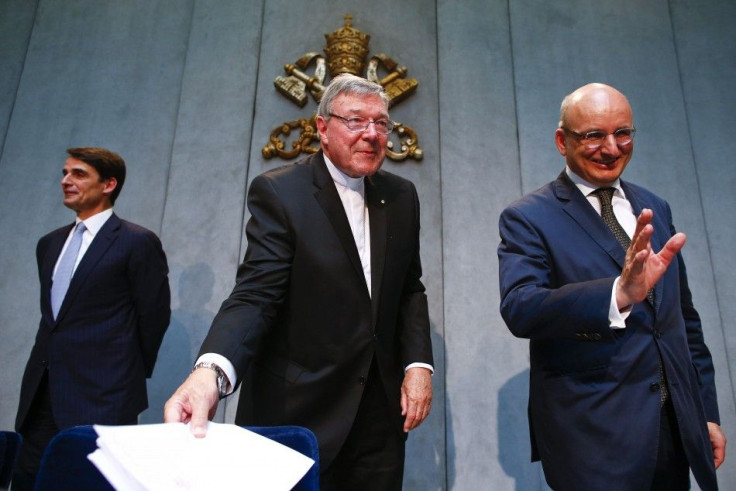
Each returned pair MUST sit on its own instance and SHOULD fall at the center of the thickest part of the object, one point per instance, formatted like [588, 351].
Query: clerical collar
[341, 178]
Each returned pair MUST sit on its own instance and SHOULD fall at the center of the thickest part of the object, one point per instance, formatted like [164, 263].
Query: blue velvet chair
[9, 446]
[303, 441]
[65, 465]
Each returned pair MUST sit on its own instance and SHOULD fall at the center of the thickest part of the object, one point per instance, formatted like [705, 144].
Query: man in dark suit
[327, 326]
[622, 393]
[104, 310]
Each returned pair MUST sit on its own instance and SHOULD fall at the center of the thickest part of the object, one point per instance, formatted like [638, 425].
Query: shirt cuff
[616, 317]
[224, 365]
[420, 365]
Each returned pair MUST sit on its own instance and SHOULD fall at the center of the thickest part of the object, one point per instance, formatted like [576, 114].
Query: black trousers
[372, 458]
[37, 431]
[672, 472]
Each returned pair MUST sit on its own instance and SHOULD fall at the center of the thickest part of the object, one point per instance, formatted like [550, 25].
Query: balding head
[590, 98]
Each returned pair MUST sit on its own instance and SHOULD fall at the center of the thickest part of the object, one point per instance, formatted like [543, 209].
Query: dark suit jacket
[104, 342]
[594, 404]
[300, 326]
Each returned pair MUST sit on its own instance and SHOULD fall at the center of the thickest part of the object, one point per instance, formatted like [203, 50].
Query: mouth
[608, 163]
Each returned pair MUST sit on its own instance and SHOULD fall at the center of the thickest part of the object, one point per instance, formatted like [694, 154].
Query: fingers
[718, 442]
[644, 219]
[194, 402]
[176, 410]
[643, 268]
[416, 397]
[672, 247]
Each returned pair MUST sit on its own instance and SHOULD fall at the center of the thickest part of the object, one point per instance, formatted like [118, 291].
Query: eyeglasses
[594, 139]
[358, 125]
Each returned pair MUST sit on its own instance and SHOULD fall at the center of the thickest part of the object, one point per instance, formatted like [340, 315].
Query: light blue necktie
[66, 269]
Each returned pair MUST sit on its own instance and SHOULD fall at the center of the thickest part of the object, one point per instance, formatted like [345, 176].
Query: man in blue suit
[622, 393]
[104, 311]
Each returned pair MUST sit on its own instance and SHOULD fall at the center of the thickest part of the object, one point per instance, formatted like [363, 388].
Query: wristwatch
[221, 378]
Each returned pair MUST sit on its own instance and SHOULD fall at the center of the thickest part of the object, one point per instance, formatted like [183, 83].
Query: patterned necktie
[605, 195]
[66, 269]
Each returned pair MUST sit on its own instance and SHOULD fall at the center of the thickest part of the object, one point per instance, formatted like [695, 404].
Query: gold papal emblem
[346, 52]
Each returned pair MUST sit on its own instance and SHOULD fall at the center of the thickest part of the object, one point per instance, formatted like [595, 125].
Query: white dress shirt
[93, 225]
[352, 195]
[625, 216]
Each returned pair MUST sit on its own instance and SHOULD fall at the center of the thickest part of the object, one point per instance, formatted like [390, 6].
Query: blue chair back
[303, 441]
[65, 466]
[9, 447]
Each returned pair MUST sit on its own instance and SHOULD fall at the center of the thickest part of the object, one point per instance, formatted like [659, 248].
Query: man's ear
[321, 128]
[110, 185]
[560, 141]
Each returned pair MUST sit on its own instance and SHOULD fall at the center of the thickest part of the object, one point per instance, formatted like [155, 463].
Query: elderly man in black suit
[327, 326]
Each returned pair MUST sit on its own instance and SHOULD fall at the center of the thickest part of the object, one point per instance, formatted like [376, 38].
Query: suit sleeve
[148, 277]
[416, 343]
[261, 284]
[699, 352]
[537, 301]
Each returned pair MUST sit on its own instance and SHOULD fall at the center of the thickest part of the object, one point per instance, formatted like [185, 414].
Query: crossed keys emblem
[345, 52]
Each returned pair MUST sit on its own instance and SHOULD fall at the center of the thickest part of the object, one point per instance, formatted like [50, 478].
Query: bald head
[589, 99]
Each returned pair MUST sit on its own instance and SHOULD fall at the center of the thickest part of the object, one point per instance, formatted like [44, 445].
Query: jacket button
[361, 380]
[658, 334]
[654, 387]
[375, 338]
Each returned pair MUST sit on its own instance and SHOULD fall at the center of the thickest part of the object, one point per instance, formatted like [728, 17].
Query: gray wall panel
[16, 24]
[184, 91]
[487, 369]
[205, 195]
[706, 49]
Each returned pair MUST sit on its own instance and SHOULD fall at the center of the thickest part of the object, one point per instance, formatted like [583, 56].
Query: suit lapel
[577, 206]
[331, 204]
[376, 200]
[100, 244]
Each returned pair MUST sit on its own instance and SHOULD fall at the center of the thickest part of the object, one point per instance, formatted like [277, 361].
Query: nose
[370, 132]
[609, 146]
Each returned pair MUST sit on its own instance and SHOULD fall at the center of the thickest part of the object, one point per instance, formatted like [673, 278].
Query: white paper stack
[168, 456]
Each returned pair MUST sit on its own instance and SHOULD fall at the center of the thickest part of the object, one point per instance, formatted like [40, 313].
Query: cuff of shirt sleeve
[224, 365]
[617, 318]
[420, 365]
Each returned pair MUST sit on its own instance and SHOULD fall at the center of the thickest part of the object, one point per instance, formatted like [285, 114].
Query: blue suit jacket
[104, 342]
[593, 400]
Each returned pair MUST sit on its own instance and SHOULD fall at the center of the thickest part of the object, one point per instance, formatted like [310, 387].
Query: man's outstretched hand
[642, 267]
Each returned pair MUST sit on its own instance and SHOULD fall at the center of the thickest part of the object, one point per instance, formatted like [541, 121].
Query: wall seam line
[700, 195]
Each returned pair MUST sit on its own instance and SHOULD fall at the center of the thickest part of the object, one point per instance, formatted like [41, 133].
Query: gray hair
[566, 102]
[346, 83]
